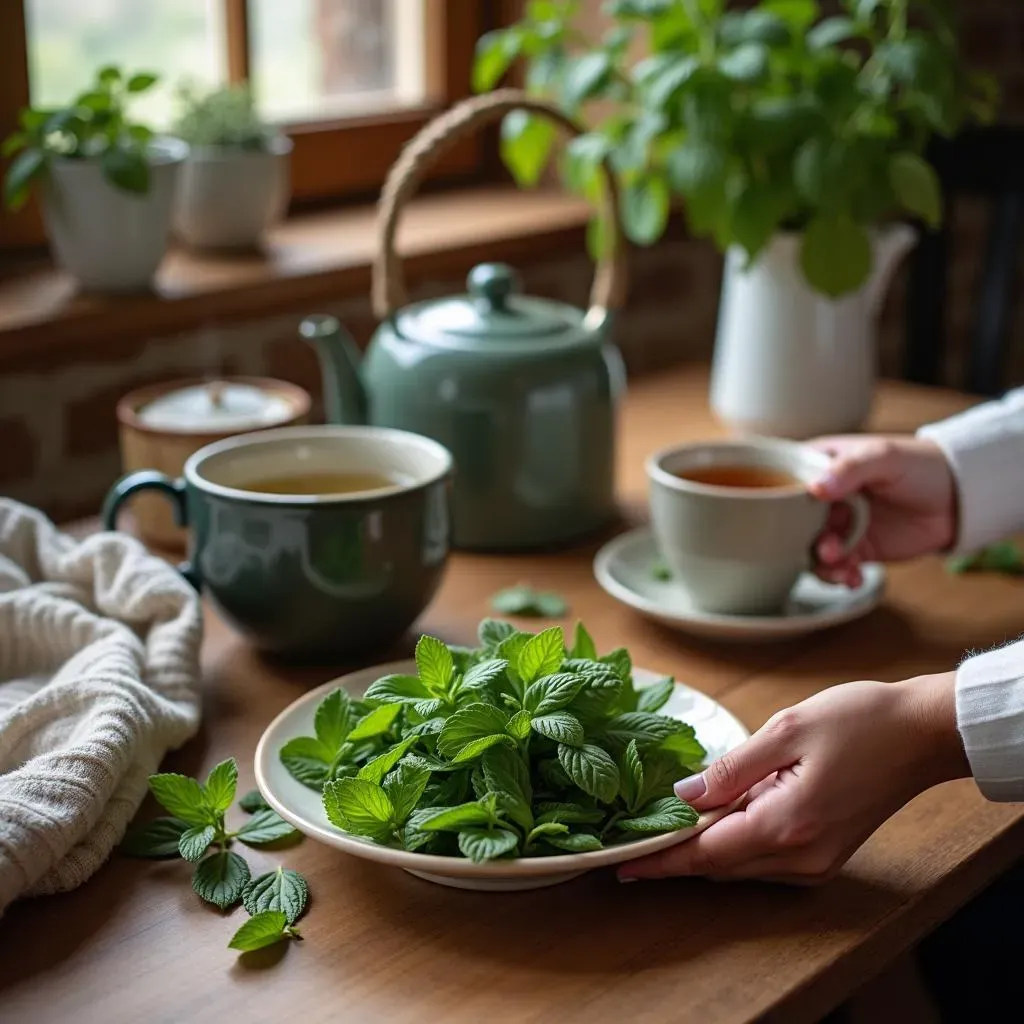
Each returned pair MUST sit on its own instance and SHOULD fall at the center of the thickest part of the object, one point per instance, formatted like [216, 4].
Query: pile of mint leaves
[519, 747]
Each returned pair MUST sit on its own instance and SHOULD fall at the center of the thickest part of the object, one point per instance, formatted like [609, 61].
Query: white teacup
[735, 522]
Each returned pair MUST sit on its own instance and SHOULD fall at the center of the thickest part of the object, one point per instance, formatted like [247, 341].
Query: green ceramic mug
[311, 575]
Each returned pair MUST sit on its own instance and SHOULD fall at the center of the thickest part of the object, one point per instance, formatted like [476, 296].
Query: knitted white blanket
[99, 677]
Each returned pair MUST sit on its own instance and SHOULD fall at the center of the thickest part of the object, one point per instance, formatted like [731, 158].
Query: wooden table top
[136, 944]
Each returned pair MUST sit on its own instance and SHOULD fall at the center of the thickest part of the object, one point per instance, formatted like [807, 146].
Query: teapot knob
[494, 283]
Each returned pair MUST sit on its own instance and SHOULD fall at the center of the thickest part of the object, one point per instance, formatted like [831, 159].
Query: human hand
[820, 778]
[911, 492]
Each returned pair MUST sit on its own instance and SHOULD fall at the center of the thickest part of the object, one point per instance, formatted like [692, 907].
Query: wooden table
[135, 944]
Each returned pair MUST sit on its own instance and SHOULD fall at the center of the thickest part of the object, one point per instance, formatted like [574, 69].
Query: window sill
[309, 258]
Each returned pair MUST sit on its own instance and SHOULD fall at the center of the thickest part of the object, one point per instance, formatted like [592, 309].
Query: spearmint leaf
[571, 814]
[525, 602]
[195, 842]
[505, 772]
[917, 187]
[592, 769]
[265, 827]
[333, 721]
[480, 844]
[552, 693]
[665, 815]
[220, 786]
[483, 674]
[684, 745]
[547, 828]
[541, 655]
[376, 723]
[282, 890]
[657, 696]
[428, 708]
[619, 662]
[559, 726]
[253, 801]
[306, 760]
[646, 729]
[492, 632]
[519, 725]
[631, 774]
[404, 787]
[158, 838]
[476, 747]
[469, 723]
[404, 689]
[583, 644]
[454, 819]
[259, 931]
[576, 842]
[435, 664]
[835, 255]
[182, 797]
[359, 807]
[221, 878]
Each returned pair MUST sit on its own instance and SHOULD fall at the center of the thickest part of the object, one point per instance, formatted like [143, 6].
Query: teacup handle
[150, 480]
[860, 512]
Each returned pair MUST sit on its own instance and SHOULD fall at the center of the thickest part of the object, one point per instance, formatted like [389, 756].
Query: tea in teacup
[740, 476]
[321, 483]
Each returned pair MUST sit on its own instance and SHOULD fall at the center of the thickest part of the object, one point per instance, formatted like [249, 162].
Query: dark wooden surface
[135, 944]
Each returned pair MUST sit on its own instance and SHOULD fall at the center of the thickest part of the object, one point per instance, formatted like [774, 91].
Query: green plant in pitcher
[94, 126]
[762, 120]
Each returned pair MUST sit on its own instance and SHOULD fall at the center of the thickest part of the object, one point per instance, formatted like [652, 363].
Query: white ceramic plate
[625, 568]
[716, 729]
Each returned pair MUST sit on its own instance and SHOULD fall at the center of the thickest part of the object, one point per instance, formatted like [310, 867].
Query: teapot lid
[493, 311]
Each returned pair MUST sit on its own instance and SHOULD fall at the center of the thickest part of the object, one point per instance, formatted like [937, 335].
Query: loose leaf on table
[1002, 557]
[541, 655]
[265, 827]
[652, 698]
[528, 603]
[157, 838]
[282, 890]
[182, 797]
[664, 815]
[253, 801]
[220, 786]
[480, 844]
[262, 930]
[435, 664]
[221, 878]
[592, 769]
[195, 841]
[559, 726]
[359, 807]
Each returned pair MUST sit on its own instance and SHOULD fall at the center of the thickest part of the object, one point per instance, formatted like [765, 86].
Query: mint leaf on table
[195, 842]
[265, 827]
[221, 878]
[662, 815]
[157, 838]
[480, 844]
[559, 726]
[653, 697]
[220, 786]
[527, 603]
[182, 797]
[592, 769]
[281, 890]
[253, 801]
[1003, 557]
[262, 930]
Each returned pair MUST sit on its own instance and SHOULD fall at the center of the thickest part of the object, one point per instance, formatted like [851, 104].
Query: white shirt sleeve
[985, 449]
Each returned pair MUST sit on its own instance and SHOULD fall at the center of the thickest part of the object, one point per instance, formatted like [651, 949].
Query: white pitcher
[789, 361]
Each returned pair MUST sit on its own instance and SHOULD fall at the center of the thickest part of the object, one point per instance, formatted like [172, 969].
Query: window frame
[322, 167]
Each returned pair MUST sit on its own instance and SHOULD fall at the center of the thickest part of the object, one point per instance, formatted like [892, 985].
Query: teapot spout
[344, 394]
[891, 245]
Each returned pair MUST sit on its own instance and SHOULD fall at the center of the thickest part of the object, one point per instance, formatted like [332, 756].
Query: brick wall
[58, 434]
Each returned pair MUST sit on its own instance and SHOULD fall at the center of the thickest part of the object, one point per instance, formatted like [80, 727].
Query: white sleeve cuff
[990, 717]
[985, 450]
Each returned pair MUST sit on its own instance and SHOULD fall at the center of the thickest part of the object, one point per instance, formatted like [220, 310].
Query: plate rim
[738, 624]
[522, 867]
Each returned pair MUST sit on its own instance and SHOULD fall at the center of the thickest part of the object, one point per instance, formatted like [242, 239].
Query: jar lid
[216, 407]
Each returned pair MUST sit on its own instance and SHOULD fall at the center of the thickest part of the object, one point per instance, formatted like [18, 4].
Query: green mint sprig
[525, 602]
[523, 746]
[1002, 557]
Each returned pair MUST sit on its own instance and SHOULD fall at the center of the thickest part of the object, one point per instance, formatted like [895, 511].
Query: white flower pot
[789, 361]
[109, 239]
[228, 197]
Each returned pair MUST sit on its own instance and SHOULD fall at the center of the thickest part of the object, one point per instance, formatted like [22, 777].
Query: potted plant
[106, 182]
[235, 183]
[795, 142]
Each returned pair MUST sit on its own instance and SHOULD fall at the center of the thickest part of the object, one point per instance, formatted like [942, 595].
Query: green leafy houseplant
[223, 117]
[762, 120]
[520, 747]
[94, 126]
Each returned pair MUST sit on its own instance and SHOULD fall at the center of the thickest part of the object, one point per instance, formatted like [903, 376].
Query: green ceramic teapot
[521, 390]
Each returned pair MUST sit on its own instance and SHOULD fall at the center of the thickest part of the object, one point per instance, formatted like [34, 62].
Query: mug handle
[150, 480]
[860, 512]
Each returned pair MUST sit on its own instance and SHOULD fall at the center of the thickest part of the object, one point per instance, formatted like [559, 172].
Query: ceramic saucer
[626, 569]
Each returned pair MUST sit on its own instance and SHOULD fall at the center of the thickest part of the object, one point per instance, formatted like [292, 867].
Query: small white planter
[789, 361]
[228, 197]
[109, 239]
